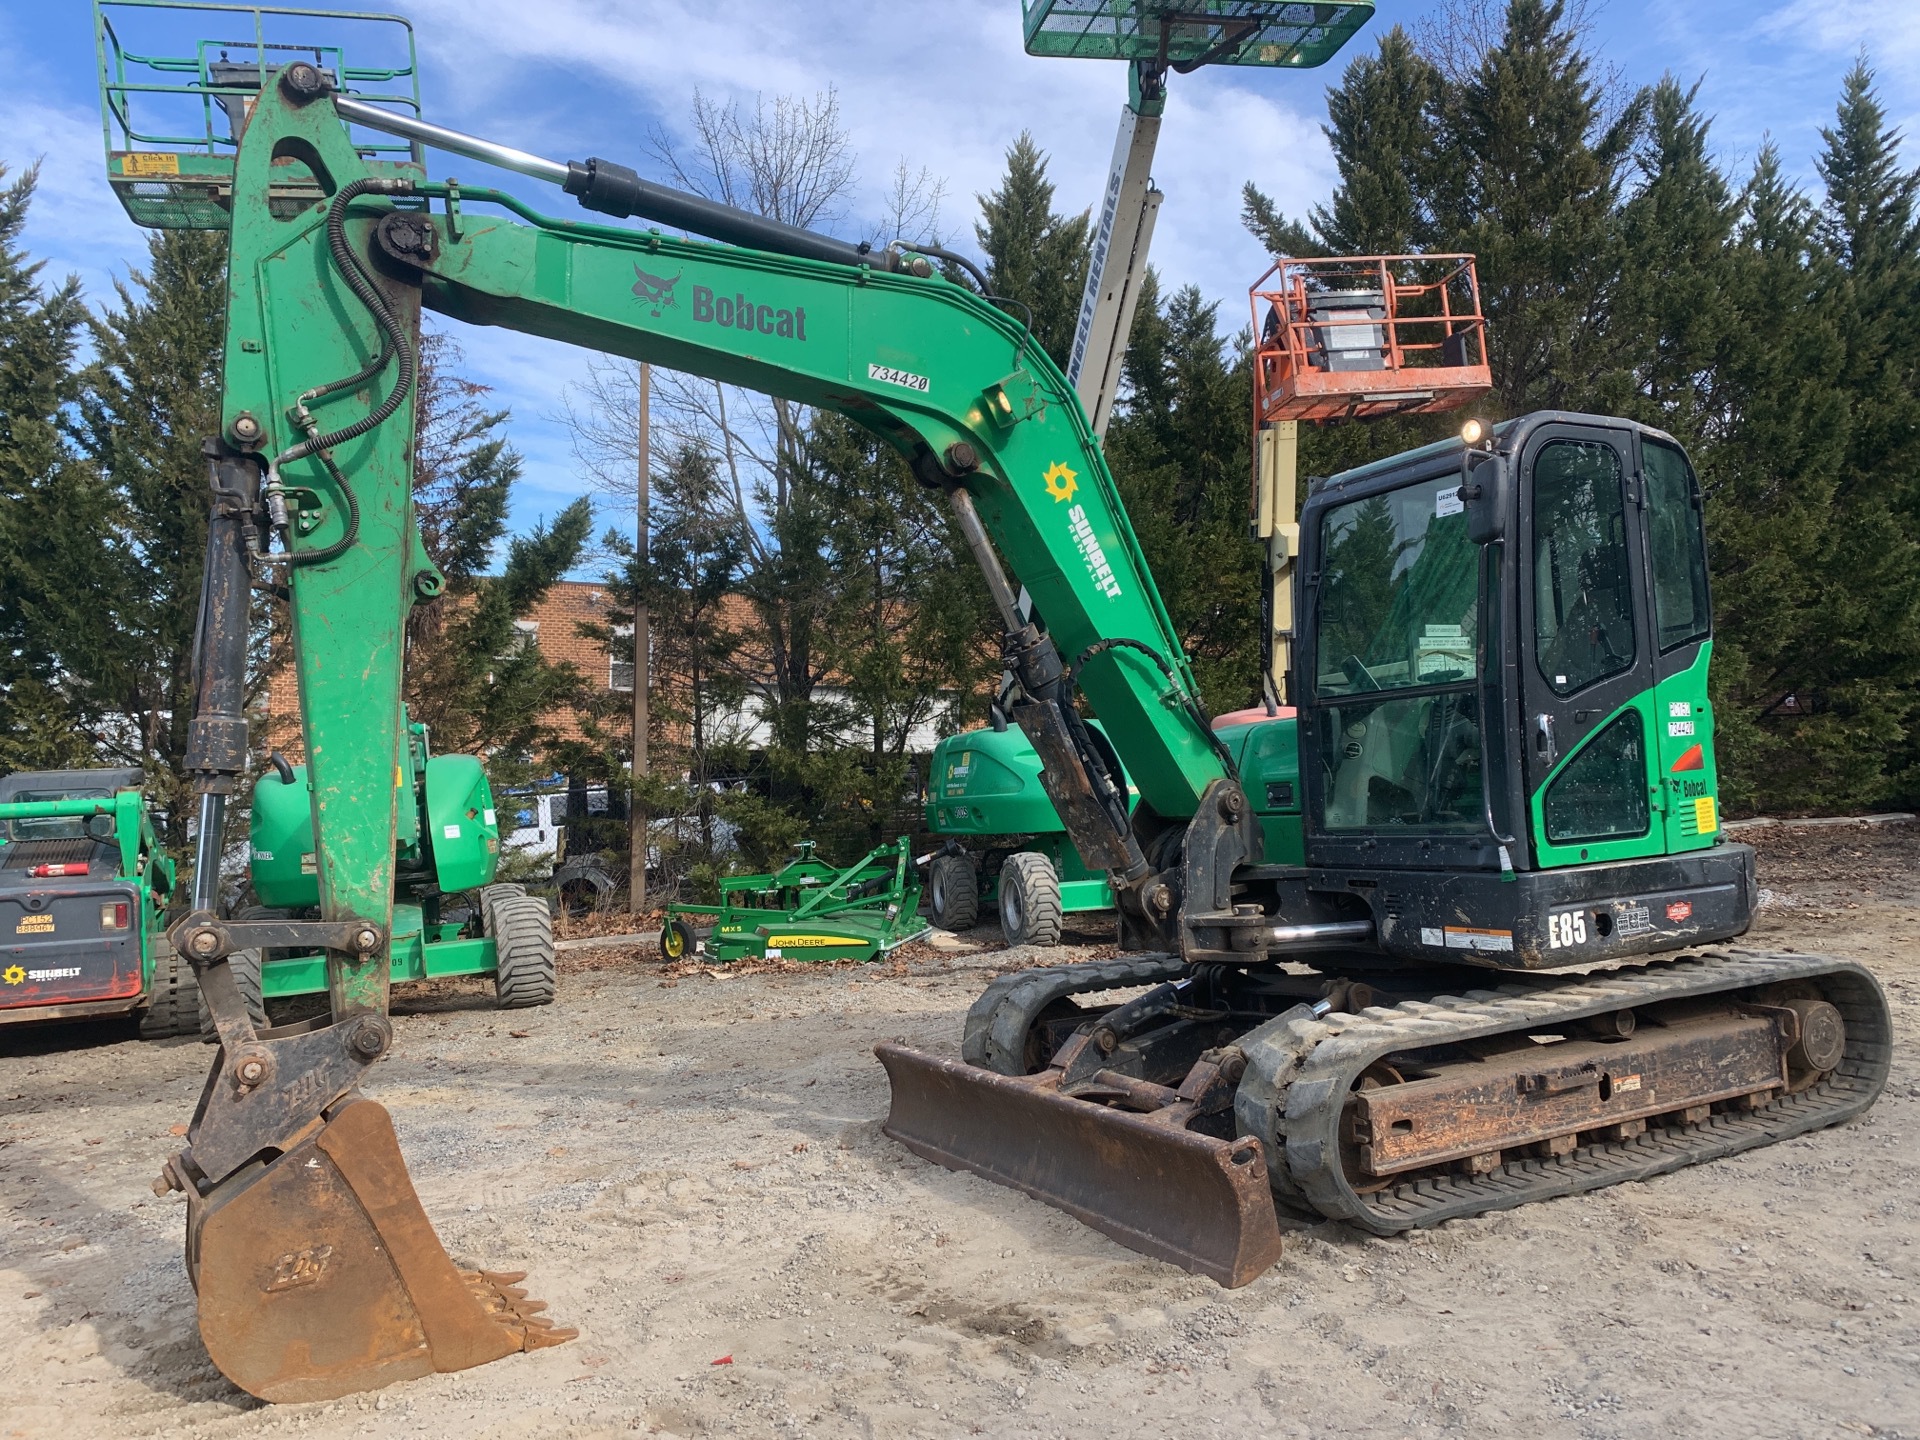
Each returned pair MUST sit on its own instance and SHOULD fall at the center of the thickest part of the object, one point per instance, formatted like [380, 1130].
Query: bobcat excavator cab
[1323, 1028]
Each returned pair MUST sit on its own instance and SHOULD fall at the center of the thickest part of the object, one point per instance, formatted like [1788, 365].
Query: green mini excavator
[1406, 954]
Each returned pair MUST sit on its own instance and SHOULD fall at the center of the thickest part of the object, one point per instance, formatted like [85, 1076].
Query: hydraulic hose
[394, 342]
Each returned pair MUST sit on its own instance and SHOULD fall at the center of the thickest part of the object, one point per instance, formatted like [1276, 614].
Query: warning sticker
[1704, 819]
[1433, 935]
[1466, 937]
[1630, 919]
[149, 162]
[1625, 1082]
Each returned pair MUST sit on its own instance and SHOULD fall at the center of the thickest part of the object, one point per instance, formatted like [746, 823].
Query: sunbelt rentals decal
[1062, 484]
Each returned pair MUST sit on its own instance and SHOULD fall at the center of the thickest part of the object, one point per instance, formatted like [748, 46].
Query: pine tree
[1867, 228]
[1770, 466]
[52, 509]
[1673, 309]
[149, 402]
[1530, 184]
[1179, 456]
[1382, 127]
[695, 687]
[1036, 257]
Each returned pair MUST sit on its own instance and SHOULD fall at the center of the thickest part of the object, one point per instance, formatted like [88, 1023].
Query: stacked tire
[521, 926]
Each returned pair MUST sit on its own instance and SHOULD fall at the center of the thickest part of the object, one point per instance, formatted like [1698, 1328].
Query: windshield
[52, 827]
[1396, 627]
[1398, 590]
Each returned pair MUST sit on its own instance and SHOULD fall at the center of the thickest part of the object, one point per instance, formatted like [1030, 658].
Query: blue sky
[942, 84]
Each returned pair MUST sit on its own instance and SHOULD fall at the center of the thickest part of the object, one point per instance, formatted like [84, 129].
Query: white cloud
[74, 224]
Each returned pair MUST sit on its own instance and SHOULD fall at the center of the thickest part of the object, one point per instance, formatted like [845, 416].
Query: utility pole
[637, 810]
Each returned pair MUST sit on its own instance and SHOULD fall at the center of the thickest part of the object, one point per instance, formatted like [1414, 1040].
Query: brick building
[554, 626]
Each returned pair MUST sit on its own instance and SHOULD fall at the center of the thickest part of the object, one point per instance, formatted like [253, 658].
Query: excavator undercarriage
[1176, 1120]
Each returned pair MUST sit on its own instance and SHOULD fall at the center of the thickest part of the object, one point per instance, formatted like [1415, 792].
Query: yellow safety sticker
[1704, 820]
[41, 924]
[149, 162]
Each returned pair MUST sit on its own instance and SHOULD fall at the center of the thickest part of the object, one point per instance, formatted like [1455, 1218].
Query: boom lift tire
[524, 973]
[953, 892]
[1029, 900]
[172, 999]
[491, 893]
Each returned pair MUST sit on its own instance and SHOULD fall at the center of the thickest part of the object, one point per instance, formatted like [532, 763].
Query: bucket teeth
[507, 1303]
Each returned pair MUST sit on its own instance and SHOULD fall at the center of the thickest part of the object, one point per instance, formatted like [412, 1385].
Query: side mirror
[1487, 490]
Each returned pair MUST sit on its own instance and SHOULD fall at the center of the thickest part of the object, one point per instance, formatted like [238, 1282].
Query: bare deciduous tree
[790, 159]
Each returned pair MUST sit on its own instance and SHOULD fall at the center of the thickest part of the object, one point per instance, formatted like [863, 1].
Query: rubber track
[524, 972]
[172, 998]
[995, 1037]
[1300, 1072]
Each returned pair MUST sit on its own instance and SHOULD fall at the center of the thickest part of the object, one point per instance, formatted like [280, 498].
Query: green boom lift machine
[447, 847]
[1461, 995]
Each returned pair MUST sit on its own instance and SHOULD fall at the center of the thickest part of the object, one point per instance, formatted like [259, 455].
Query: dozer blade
[320, 1275]
[1157, 1188]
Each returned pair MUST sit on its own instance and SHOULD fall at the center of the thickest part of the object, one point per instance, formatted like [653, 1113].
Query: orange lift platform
[1356, 339]
[1348, 339]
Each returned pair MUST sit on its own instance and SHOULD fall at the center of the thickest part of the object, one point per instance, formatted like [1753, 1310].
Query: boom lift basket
[172, 122]
[1186, 34]
[1349, 339]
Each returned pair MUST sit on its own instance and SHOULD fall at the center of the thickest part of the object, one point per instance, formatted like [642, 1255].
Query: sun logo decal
[1061, 482]
[13, 975]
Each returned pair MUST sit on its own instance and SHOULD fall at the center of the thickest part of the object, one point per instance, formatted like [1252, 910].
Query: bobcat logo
[652, 290]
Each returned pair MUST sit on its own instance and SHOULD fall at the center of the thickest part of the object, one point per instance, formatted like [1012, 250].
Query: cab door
[1682, 643]
[1586, 664]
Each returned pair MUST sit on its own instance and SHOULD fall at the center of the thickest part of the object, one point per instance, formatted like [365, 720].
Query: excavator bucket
[319, 1274]
[1156, 1187]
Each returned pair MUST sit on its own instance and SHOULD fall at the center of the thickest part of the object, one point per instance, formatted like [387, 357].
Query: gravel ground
[690, 1166]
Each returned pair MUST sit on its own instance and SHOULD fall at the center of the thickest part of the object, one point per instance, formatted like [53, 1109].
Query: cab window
[1583, 600]
[1396, 617]
[1679, 548]
[1601, 794]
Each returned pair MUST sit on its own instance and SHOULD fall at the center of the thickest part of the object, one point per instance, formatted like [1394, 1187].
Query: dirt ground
[693, 1172]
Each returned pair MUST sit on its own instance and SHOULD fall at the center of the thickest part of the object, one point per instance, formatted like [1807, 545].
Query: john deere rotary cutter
[806, 910]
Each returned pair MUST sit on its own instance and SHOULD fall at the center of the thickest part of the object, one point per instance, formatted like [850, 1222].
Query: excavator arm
[317, 1269]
